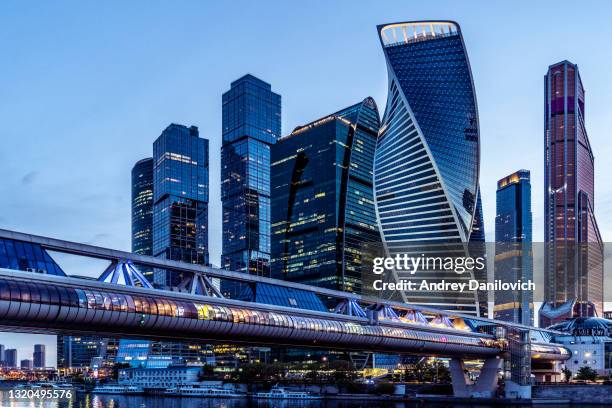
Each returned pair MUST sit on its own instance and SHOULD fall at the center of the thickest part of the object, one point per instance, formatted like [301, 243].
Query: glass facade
[155, 354]
[180, 199]
[25, 256]
[133, 310]
[322, 199]
[281, 296]
[251, 124]
[513, 252]
[574, 259]
[427, 158]
[76, 352]
[40, 356]
[142, 207]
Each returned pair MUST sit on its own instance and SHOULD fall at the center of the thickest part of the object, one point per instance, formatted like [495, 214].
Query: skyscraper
[513, 252]
[1, 355]
[10, 358]
[142, 207]
[40, 358]
[251, 124]
[574, 258]
[180, 199]
[426, 168]
[322, 199]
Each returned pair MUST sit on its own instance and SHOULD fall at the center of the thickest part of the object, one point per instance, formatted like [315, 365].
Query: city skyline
[40, 172]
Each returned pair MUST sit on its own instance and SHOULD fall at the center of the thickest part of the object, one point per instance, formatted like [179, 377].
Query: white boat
[280, 393]
[196, 390]
[117, 389]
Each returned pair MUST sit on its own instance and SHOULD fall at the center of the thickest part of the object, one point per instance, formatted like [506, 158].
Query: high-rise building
[574, 251]
[142, 207]
[77, 352]
[426, 168]
[1, 355]
[10, 358]
[180, 199]
[40, 358]
[26, 364]
[251, 124]
[513, 252]
[322, 199]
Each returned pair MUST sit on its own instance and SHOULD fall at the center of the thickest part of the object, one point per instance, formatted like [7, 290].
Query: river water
[121, 401]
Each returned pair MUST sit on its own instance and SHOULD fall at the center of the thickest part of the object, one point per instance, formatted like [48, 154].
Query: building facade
[40, 356]
[180, 199]
[574, 257]
[513, 252]
[26, 364]
[251, 124]
[77, 352]
[142, 207]
[322, 199]
[589, 339]
[426, 169]
[159, 378]
[10, 358]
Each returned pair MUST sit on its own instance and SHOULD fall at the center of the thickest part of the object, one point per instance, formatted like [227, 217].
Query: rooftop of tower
[415, 31]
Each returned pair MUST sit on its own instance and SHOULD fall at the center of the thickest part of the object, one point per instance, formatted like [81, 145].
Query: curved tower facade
[322, 201]
[426, 165]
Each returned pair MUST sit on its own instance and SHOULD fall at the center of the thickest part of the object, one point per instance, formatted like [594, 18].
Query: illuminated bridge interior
[121, 303]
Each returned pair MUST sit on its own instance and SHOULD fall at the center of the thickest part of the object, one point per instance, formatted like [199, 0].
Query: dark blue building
[142, 207]
[251, 124]
[513, 252]
[428, 154]
[180, 198]
[322, 199]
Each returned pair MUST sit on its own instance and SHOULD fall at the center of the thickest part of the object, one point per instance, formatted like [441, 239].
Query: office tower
[76, 352]
[574, 258]
[156, 354]
[1, 355]
[251, 124]
[26, 364]
[10, 358]
[426, 168]
[322, 199]
[142, 207]
[513, 252]
[40, 360]
[180, 199]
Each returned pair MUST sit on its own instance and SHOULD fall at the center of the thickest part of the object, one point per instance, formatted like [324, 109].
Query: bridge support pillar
[486, 384]
[459, 378]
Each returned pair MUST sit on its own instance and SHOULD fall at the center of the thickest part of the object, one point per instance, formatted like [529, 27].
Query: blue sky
[86, 88]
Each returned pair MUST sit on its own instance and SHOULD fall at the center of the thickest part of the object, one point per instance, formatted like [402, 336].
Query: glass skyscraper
[426, 169]
[574, 258]
[251, 124]
[322, 199]
[180, 198]
[40, 356]
[513, 252]
[142, 207]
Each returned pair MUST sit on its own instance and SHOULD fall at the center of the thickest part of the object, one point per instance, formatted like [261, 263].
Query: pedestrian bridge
[122, 303]
[37, 296]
